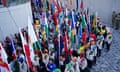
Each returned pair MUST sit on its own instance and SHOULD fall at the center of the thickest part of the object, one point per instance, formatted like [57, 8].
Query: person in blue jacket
[51, 66]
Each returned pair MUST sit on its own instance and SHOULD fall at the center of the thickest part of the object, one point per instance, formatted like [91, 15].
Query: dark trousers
[62, 67]
[89, 63]
[99, 53]
[94, 61]
[117, 24]
[85, 70]
[108, 46]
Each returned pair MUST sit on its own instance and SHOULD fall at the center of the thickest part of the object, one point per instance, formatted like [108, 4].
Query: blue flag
[80, 33]
[13, 50]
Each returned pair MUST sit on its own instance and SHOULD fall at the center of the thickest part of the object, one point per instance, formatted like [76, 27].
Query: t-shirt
[51, 67]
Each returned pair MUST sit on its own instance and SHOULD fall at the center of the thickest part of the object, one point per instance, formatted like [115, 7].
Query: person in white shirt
[83, 63]
[99, 43]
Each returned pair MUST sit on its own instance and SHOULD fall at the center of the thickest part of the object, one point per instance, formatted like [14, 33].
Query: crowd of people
[71, 41]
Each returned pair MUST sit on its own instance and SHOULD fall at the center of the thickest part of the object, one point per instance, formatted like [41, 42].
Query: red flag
[3, 60]
[81, 5]
[4, 3]
[59, 7]
[26, 50]
[84, 36]
[65, 44]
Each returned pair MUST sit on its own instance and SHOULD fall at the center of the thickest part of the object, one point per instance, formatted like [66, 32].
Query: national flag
[46, 28]
[83, 22]
[32, 39]
[71, 2]
[59, 7]
[81, 5]
[76, 4]
[65, 44]
[55, 2]
[94, 25]
[26, 50]
[4, 3]
[57, 27]
[53, 7]
[4, 67]
[45, 4]
[73, 28]
[13, 50]
[80, 33]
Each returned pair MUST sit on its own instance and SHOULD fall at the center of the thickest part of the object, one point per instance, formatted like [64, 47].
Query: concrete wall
[13, 18]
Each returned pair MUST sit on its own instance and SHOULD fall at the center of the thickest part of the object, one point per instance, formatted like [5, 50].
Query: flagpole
[59, 42]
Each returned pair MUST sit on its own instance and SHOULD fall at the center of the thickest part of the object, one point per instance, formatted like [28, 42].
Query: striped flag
[4, 67]
[26, 50]
[32, 39]
[46, 28]
[73, 28]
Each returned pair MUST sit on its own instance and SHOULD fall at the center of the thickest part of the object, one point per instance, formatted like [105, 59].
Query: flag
[26, 50]
[65, 44]
[57, 28]
[81, 5]
[80, 33]
[76, 4]
[4, 67]
[55, 2]
[4, 3]
[32, 39]
[71, 2]
[46, 28]
[31, 31]
[59, 7]
[83, 22]
[94, 25]
[45, 4]
[53, 7]
[13, 50]
[73, 28]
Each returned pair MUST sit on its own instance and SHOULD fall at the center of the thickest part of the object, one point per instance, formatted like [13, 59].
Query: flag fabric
[94, 25]
[31, 31]
[65, 41]
[45, 3]
[81, 5]
[83, 22]
[13, 50]
[53, 7]
[76, 4]
[32, 39]
[26, 50]
[4, 67]
[46, 28]
[71, 2]
[4, 3]
[80, 33]
[57, 27]
[73, 28]
[59, 7]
